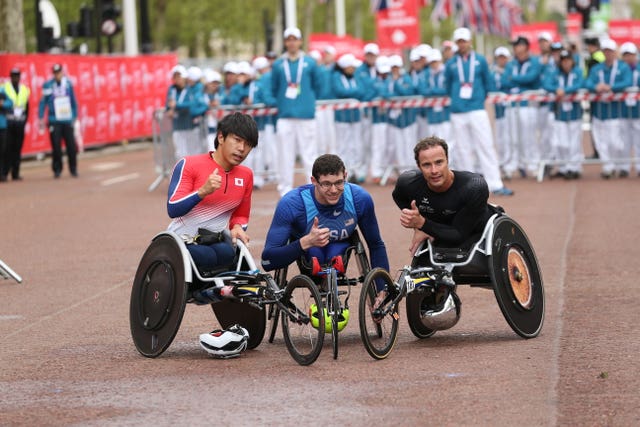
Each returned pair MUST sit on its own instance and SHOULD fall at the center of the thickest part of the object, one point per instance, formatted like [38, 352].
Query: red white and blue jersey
[224, 208]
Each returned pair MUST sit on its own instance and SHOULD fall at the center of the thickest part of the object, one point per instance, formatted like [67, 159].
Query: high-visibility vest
[19, 99]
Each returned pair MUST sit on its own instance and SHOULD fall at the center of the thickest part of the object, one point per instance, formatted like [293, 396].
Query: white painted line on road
[106, 166]
[119, 179]
[11, 317]
[559, 309]
[69, 308]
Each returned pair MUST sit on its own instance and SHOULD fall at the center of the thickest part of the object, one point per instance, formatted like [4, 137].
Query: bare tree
[12, 27]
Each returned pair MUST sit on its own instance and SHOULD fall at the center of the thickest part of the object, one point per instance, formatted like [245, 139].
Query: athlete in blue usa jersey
[317, 219]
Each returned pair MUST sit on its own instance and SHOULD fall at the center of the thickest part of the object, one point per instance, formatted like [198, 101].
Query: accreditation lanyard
[612, 76]
[252, 91]
[348, 83]
[293, 88]
[566, 106]
[466, 87]
[440, 82]
[515, 71]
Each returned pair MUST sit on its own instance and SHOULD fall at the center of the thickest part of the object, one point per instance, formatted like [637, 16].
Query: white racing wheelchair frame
[7, 272]
[167, 279]
[502, 259]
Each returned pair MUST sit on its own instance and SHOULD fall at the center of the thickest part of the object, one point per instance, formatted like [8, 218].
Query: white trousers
[567, 137]
[326, 130]
[423, 128]
[527, 152]
[381, 151]
[350, 148]
[504, 144]
[443, 131]
[631, 142]
[607, 137]
[295, 136]
[474, 140]
[403, 140]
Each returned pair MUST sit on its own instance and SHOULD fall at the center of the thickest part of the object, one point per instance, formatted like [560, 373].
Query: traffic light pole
[97, 7]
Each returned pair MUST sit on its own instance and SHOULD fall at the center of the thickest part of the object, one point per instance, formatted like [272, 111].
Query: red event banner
[397, 26]
[344, 44]
[625, 31]
[574, 26]
[531, 31]
[116, 95]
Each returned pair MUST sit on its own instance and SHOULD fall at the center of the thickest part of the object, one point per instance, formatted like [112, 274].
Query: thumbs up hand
[411, 218]
[317, 236]
[211, 184]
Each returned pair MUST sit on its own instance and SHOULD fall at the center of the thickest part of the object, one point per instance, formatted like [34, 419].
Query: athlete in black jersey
[448, 207]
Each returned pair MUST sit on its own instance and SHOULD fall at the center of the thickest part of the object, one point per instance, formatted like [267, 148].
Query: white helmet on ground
[225, 344]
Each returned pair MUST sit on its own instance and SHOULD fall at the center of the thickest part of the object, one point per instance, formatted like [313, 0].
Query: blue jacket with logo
[481, 82]
[521, 76]
[565, 111]
[52, 90]
[303, 106]
[343, 87]
[618, 76]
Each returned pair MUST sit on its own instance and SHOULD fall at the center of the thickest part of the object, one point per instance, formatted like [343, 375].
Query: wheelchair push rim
[158, 297]
[378, 334]
[517, 279]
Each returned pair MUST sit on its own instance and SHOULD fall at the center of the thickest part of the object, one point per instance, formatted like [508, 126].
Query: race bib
[292, 91]
[567, 106]
[62, 108]
[466, 91]
[17, 112]
[631, 102]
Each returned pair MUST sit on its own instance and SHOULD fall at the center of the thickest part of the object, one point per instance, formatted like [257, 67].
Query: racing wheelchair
[501, 259]
[167, 279]
[378, 333]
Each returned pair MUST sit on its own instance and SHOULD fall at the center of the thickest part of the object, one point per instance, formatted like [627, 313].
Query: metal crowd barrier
[164, 147]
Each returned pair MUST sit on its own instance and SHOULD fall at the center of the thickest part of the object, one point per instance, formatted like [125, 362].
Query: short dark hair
[239, 124]
[327, 164]
[430, 142]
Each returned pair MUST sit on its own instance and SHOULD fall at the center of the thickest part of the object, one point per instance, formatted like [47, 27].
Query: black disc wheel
[378, 331]
[158, 297]
[303, 339]
[516, 277]
[419, 301]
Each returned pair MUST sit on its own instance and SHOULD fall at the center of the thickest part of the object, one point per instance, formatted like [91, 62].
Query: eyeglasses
[326, 185]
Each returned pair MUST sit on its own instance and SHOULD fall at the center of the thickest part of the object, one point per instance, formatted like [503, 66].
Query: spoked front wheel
[303, 339]
[378, 331]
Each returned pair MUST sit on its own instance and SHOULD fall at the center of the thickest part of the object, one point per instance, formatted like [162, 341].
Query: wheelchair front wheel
[416, 302]
[303, 340]
[378, 334]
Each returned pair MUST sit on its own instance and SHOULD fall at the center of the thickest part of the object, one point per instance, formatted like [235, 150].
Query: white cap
[628, 47]
[608, 44]
[382, 65]
[260, 63]
[245, 68]
[346, 60]
[462, 33]
[414, 55]
[211, 76]
[502, 51]
[357, 63]
[434, 55]
[371, 48]
[292, 31]
[180, 69]
[194, 73]
[545, 35]
[315, 54]
[396, 61]
[230, 67]
[329, 49]
[423, 49]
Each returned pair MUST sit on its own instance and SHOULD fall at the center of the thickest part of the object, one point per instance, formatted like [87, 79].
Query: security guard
[16, 121]
[58, 97]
